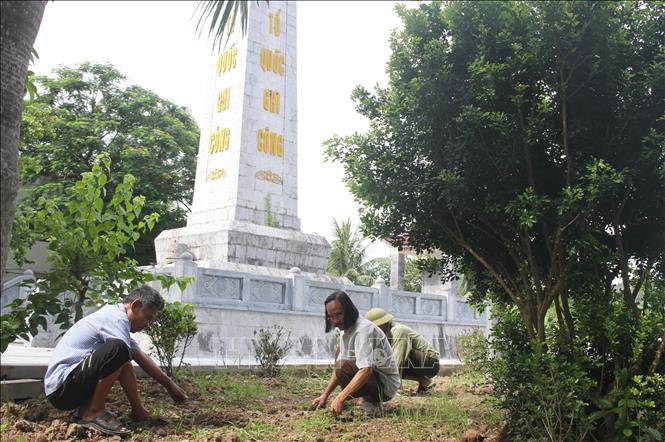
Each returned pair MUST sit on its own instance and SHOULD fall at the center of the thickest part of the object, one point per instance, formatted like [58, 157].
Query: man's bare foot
[357, 401]
[140, 414]
[88, 413]
[424, 383]
[177, 394]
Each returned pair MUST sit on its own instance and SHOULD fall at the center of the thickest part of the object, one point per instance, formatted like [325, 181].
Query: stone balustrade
[232, 302]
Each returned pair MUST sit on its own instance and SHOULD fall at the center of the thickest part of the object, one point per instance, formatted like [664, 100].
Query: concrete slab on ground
[16, 389]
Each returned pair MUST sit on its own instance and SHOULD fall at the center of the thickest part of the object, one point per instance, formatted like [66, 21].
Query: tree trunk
[20, 21]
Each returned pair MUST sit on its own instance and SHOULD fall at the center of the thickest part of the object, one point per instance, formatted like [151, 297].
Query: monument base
[245, 243]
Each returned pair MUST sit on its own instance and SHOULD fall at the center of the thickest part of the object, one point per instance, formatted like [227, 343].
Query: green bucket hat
[378, 316]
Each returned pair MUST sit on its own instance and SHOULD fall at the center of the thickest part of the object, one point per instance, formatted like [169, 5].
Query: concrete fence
[233, 302]
[231, 305]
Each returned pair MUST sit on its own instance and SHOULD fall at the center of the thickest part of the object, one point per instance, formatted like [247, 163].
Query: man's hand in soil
[320, 401]
[337, 405]
[177, 394]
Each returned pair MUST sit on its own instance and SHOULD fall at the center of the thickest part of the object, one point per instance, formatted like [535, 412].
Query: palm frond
[220, 15]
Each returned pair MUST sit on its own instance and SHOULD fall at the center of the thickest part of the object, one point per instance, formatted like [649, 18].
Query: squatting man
[96, 352]
[415, 357]
[366, 370]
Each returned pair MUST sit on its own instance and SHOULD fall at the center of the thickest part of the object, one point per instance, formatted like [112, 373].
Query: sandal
[78, 416]
[372, 410]
[107, 424]
[424, 390]
[156, 421]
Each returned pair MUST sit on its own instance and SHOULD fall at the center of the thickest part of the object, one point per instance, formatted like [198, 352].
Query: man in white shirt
[366, 369]
[96, 352]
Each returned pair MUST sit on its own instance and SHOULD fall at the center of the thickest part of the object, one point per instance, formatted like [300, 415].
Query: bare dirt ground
[244, 406]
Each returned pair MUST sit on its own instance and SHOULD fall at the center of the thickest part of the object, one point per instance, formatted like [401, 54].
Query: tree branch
[623, 261]
[659, 354]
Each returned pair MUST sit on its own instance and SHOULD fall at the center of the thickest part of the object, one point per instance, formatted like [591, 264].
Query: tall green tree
[347, 250]
[19, 24]
[88, 110]
[89, 234]
[525, 141]
[512, 135]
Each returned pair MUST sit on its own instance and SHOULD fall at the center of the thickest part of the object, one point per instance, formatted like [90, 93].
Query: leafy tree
[19, 25]
[89, 235]
[85, 111]
[380, 267]
[525, 141]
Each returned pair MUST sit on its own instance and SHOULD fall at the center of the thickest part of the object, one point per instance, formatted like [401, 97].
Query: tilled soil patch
[242, 406]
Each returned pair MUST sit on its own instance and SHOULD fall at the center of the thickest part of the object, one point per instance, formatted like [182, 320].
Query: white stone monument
[245, 207]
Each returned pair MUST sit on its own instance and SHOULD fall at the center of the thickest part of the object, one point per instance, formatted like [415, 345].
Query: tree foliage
[82, 112]
[221, 16]
[347, 251]
[525, 141]
[380, 267]
[89, 235]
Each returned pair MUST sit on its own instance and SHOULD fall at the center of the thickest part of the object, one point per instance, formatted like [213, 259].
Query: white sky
[340, 45]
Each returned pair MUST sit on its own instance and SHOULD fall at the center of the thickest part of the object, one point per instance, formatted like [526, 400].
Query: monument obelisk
[245, 207]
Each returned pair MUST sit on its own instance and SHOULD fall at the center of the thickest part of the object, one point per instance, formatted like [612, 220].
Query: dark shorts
[81, 382]
[373, 388]
[419, 365]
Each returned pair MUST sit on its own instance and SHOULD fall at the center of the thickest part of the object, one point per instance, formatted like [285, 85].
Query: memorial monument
[250, 264]
[245, 207]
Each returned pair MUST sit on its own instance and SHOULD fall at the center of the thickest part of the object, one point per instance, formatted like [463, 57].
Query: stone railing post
[185, 266]
[385, 296]
[23, 291]
[490, 321]
[451, 303]
[397, 269]
[297, 286]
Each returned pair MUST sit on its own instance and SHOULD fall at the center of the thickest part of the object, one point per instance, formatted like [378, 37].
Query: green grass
[231, 387]
[256, 408]
[315, 423]
[439, 411]
[308, 381]
[258, 431]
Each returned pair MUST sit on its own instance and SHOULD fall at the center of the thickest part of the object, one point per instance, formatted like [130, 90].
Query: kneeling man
[96, 352]
[415, 357]
[366, 369]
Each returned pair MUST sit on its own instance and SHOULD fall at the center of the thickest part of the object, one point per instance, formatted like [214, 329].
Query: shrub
[542, 390]
[632, 407]
[172, 331]
[89, 235]
[473, 349]
[271, 345]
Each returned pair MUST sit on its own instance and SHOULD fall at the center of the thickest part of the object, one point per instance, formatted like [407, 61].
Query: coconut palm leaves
[348, 253]
[220, 17]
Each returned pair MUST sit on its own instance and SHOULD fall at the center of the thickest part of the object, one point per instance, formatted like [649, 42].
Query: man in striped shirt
[96, 352]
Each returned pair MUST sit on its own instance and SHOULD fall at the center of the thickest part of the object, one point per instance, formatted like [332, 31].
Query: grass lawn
[232, 406]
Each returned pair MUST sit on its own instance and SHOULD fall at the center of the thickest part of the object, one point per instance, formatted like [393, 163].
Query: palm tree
[347, 251]
[220, 14]
[19, 25]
